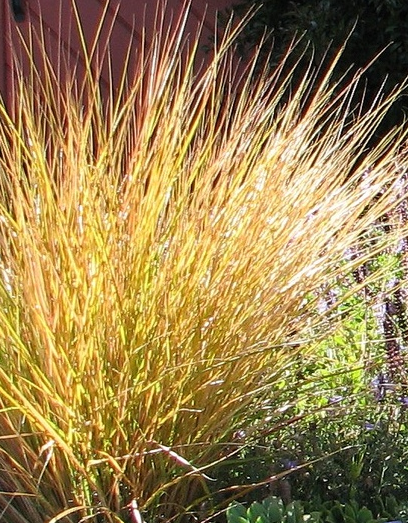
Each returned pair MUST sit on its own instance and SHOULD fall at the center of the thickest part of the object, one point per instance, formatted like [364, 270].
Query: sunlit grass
[158, 254]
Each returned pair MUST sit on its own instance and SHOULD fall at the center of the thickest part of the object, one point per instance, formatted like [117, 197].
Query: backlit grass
[158, 252]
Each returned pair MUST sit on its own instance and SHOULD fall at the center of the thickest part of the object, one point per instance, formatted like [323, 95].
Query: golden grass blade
[161, 253]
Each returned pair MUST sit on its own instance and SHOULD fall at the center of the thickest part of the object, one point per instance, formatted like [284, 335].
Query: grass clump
[159, 248]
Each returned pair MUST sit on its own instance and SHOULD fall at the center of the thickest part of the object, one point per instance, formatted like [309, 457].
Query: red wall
[60, 31]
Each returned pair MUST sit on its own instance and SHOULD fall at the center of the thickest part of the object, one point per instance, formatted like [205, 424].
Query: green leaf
[256, 511]
[274, 509]
[337, 513]
[294, 513]
[236, 513]
[391, 505]
[364, 515]
[351, 511]
[313, 517]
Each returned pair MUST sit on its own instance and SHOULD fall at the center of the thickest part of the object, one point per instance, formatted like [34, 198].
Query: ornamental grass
[162, 246]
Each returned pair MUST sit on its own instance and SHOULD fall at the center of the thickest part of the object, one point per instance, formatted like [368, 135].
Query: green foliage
[270, 510]
[351, 441]
[348, 513]
[273, 510]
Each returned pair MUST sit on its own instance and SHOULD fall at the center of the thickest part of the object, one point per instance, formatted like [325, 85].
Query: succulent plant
[270, 510]
[273, 510]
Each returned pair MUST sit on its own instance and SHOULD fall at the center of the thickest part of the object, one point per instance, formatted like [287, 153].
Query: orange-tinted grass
[157, 254]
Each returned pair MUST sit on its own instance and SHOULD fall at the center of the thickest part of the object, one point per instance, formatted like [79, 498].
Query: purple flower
[379, 385]
[289, 464]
